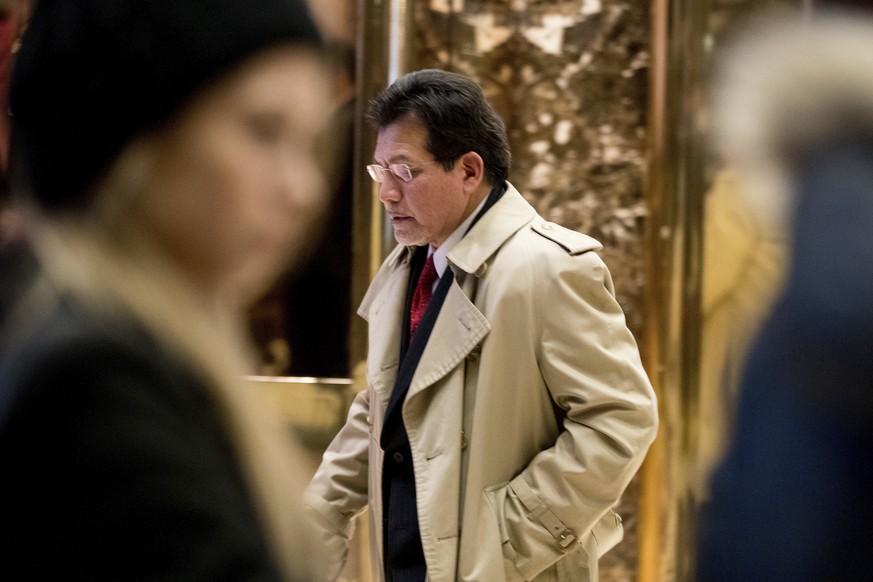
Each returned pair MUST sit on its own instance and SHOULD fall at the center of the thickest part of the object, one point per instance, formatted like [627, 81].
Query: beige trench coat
[527, 416]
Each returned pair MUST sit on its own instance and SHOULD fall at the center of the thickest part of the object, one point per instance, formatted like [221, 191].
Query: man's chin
[409, 239]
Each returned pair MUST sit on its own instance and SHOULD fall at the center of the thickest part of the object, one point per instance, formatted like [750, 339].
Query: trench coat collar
[510, 213]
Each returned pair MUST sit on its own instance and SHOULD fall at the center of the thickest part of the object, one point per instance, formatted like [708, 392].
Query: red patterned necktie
[422, 294]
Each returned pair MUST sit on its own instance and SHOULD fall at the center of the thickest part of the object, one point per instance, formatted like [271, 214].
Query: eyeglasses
[402, 172]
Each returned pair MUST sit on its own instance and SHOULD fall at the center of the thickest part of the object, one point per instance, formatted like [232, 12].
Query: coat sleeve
[339, 490]
[591, 365]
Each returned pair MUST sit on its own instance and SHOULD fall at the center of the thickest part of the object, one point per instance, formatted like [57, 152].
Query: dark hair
[93, 74]
[456, 115]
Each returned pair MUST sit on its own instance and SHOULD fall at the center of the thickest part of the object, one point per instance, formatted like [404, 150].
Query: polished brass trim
[300, 380]
[651, 501]
[370, 77]
[675, 200]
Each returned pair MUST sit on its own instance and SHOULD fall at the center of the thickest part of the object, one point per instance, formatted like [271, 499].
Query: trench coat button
[546, 226]
[474, 354]
[464, 441]
[480, 272]
[398, 457]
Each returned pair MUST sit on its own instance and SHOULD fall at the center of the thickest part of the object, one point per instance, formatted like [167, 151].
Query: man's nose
[389, 190]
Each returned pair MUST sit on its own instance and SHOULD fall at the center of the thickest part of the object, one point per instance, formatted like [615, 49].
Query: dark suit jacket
[115, 465]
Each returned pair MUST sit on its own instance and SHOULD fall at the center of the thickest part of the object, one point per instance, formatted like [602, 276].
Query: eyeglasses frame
[377, 171]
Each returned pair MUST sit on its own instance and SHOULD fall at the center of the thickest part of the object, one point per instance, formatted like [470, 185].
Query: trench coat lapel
[460, 326]
[381, 303]
[458, 329]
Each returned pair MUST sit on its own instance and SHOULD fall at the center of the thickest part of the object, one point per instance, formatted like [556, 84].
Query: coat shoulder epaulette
[573, 242]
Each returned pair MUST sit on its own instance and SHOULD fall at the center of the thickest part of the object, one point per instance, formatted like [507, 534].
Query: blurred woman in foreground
[163, 151]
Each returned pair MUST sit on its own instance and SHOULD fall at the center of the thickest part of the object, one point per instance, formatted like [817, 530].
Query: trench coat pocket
[495, 498]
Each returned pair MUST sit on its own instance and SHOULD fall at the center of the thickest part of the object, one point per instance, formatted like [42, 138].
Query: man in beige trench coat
[492, 444]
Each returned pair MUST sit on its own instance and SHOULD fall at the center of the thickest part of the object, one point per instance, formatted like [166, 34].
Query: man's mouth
[398, 218]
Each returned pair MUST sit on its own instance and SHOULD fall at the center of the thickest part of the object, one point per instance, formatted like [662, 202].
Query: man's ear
[473, 168]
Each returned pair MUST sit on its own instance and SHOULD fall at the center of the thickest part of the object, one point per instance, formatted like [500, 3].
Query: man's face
[429, 207]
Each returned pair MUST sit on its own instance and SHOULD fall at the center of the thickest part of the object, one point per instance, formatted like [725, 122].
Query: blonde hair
[786, 85]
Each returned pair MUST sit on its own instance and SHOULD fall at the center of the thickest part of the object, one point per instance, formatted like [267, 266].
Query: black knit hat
[92, 74]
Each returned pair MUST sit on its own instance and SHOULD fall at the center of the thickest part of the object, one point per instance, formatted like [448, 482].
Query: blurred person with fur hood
[792, 499]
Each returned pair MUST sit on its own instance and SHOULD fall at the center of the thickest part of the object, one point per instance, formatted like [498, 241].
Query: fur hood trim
[785, 88]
